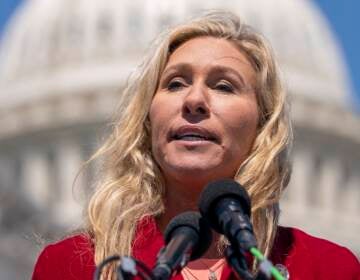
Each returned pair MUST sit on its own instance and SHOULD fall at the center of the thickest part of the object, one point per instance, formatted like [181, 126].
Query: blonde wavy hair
[132, 186]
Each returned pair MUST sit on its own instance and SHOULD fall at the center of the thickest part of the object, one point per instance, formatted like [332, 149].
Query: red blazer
[305, 257]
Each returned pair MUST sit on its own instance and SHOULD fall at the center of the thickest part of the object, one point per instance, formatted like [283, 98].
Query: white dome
[59, 46]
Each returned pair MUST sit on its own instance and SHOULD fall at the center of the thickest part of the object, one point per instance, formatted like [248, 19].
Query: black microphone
[187, 237]
[226, 205]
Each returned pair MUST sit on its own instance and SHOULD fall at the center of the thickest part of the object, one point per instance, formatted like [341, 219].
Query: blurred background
[63, 64]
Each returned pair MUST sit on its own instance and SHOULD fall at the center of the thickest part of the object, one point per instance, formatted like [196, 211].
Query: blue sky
[6, 9]
[343, 16]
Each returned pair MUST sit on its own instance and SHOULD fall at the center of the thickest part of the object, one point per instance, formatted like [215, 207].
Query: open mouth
[193, 133]
[193, 137]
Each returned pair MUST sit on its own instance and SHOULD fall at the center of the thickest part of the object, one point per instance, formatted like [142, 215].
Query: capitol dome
[89, 44]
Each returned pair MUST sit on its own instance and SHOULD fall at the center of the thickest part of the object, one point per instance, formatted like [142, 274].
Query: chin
[199, 173]
[196, 164]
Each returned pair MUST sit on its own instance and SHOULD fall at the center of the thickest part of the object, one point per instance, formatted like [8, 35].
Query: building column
[35, 178]
[300, 181]
[67, 211]
[328, 187]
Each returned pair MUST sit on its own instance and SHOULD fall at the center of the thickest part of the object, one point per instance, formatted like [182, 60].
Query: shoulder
[66, 259]
[300, 252]
[78, 246]
[320, 247]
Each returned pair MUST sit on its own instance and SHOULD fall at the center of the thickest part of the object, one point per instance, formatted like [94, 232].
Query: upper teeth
[190, 135]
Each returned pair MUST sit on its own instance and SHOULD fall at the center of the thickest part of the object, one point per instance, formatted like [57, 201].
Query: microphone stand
[99, 269]
[127, 269]
[237, 260]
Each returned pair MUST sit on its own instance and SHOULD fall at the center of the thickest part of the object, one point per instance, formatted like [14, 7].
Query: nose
[196, 101]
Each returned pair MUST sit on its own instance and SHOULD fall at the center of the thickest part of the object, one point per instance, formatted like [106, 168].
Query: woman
[206, 104]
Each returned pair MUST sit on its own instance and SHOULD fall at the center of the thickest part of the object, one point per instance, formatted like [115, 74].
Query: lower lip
[193, 142]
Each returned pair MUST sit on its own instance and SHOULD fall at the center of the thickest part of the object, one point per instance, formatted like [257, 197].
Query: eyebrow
[186, 67]
[225, 69]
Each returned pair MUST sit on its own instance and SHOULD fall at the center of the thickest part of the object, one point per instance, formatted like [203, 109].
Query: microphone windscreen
[217, 190]
[193, 220]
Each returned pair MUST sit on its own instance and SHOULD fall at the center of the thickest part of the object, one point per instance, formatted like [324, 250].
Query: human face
[204, 114]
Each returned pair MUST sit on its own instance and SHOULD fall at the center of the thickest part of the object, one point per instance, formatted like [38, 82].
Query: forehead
[205, 52]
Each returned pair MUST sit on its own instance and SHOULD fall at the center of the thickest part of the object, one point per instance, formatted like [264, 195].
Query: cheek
[157, 109]
[163, 111]
[242, 125]
[160, 118]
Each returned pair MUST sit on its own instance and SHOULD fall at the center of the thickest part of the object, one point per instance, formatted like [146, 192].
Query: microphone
[187, 237]
[226, 205]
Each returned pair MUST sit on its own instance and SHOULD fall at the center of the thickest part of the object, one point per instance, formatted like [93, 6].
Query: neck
[181, 198]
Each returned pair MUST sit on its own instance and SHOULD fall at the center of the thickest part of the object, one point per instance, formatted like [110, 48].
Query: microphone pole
[187, 237]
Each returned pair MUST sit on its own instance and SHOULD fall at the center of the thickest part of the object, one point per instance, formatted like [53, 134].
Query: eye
[224, 86]
[175, 85]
